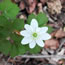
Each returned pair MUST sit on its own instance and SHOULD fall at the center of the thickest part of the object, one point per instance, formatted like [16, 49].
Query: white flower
[34, 35]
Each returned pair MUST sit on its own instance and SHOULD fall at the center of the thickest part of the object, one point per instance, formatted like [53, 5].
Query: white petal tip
[32, 44]
[23, 43]
[31, 47]
[46, 28]
[34, 21]
[21, 33]
[50, 37]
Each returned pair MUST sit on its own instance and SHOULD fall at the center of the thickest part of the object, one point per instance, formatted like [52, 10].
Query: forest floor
[55, 11]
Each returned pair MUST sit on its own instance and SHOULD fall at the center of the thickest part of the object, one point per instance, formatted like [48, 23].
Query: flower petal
[24, 33]
[45, 36]
[40, 42]
[28, 28]
[26, 40]
[38, 29]
[34, 24]
[43, 29]
[32, 44]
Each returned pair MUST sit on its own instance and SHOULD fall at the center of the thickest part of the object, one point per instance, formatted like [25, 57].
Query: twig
[41, 56]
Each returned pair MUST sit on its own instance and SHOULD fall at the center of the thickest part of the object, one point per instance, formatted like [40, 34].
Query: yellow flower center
[34, 34]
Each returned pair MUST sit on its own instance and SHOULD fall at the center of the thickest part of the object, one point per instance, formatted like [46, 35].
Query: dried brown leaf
[43, 1]
[31, 8]
[22, 5]
[54, 6]
[52, 44]
[60, 34]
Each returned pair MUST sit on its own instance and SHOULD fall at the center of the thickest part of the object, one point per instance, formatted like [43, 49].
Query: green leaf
[8, 26]
[17, 42]
[5, 47]
[30, 17]
[16, 38]
[3, 21]
[4, 34]
[50, 29]
[18, 24]
[35, 50]
[42, 19]
[22, 49]
[9, 9]
[7, 30]
[14, 50]
[2, 8]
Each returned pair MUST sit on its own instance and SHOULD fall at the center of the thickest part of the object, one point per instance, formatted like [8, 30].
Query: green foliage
[10, 41]
[50, 29]
[30, 17]
[18, 24]
[9, 9]
[34, 50]
[7, 28]
[5, 46]
[22, 49]
[14, 50]
[3, 20]
[41, 18]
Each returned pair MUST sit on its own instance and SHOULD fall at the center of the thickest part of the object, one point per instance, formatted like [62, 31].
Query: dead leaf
[40, 8]
[60, 34]
[54, 6]
[60, 62]
[17, 32]
[52, 44]
[53, 34]
[31, 8]
[22, 5]
[29, 2]
[43, 1]
[61, 18]
[62, 1]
